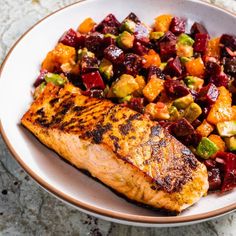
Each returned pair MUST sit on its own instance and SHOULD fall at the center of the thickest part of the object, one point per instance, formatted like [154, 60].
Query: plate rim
[152, 220]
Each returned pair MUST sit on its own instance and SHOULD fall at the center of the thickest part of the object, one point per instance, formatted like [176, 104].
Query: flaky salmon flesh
[125, 150]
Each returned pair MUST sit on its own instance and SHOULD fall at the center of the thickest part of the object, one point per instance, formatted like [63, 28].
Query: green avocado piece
[84, 52]
[231, 143]
[185, 40]
[183, 102]
[174, 113]
[193, 82]
[192, 112]
[226, 128]
[125, 40]
[206, 148]
[55, 79]
[125, 86]
[106, 69]
[156, 35]
[110, 36]
[128, 25]
[39, 90]
[163, 65]
[184, 59]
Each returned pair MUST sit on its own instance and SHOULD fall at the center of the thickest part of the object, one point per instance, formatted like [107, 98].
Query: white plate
[19, 71]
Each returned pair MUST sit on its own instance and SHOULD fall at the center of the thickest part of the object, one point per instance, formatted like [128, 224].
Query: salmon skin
[122, 148]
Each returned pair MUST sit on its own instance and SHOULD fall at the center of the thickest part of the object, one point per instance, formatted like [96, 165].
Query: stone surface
[27, 209]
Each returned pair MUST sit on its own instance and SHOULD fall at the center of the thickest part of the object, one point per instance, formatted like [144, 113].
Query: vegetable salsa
[185, 80]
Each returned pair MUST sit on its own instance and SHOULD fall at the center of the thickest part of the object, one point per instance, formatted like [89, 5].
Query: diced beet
[220, 80]
[167, 50]
[228, 41]
[214, 179]
[177, 25]
[201, 41]
[110, 25]
[133, 17]
[168, 37]
[114, 54]
[40, 79]
[196, 123]
[141, 33]
[72, 38]
[132, 64]
[230, 66]
[192, 139]
[229, 170]
[210, 163]
[205, 111]
[175, 89]
[137, 104]
[107, 41]
[75, 80]
[198, 28]
[181, 128]
[212, 68]
[139, 48]
[173, 67]
[208, 94]
[93, 80]
[89, 64]
[155, 71]
[95, 93]
[93, 42]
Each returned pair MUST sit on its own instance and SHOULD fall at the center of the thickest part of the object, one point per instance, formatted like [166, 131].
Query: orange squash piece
[213, 48]
[204, 129]
[217, 140]
[61, 54]
[221, 110]
[152, 59]
[162, 23]
[195, 67]
[86, 26]
[153, 88]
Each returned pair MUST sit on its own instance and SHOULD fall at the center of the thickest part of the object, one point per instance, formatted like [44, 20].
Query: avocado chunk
[231, 143]
[55, 79]
[106, 69]
[174, 113]
[39, 90]
[125, 40]
[125, 86]
[183, 102]
[110, 36]
[192, 112]
[206, 148]
[156, 35]
[185, 40]
[85, 52]
[193, 82]
[128, 25]
[163, 65]
[226, 128]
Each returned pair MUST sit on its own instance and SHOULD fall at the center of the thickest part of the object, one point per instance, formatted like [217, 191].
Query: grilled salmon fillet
[122, 148]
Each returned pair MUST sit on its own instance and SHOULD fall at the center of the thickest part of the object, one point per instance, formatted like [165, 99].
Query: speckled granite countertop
[27, 209]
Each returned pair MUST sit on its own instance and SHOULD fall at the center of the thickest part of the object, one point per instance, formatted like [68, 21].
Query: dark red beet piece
[181, 128]
[155, 71]
[208, 94]
[95, 93]
[133, 17]
[72, 38]
[174, 89]
[192, 139]
[220, 80]
[228, 41]
[230, 66]
[137, 104]
[139, 48]
[229, 170]
[110, 25]
[168, 37]
[212, 68]
[114, 54]
[210, 163]
[89, 64]
[214, 178]
[93, 80]
[132, 64]
[201, 41]
[40, 78]
[173, 67]
[141, 33]
[177, 25]
[93, 42]
[198, 28]
[107, 41]
[167, 50]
